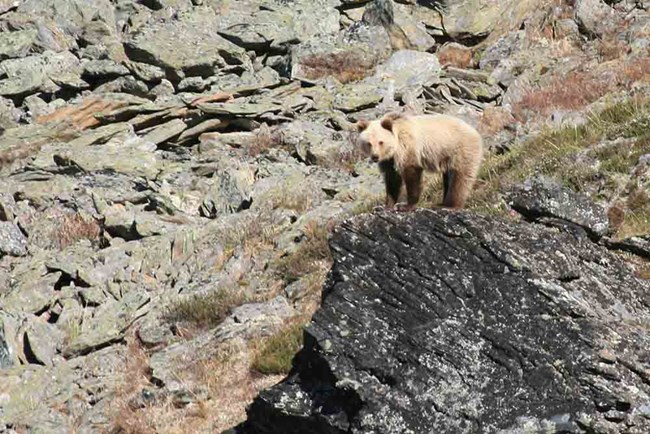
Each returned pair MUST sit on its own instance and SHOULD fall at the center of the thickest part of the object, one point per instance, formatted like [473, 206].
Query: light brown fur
[405, 146]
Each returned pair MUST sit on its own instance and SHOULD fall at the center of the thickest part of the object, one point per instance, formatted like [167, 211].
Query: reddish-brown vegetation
[73, 227]
[345, 66]
[579, 88]
[455, 55]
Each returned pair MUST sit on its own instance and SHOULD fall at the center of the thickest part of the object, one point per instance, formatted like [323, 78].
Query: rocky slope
[169, 170]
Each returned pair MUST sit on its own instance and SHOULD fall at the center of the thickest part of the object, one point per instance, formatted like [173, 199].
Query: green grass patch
[277, 351]
[554, 153]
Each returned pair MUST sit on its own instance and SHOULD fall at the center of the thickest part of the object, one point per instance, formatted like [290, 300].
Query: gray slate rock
[408, 69]
[246, 83]
[72, 16]
[595, 17]
[104, 69]
[108, 324]
[439, 321]
[199, 51]
[254, 319]
[126, 84]
[46, 73]
[8, 342]
[542, 197]
[276, 27]
[146, 72]
[7, 5]
[12, 240]
[314, 143]
[502, 49]
[9, 114]
[17, 44]
[229, 193]
[42, 340]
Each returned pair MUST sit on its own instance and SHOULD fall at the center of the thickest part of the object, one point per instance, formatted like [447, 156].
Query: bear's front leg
[393, 181]
[413, 180]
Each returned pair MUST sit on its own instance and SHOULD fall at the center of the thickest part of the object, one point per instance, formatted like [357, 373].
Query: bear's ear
[387, 121]
[362, 125]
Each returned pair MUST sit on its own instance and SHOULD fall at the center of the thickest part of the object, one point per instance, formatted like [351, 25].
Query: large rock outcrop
[456, 323]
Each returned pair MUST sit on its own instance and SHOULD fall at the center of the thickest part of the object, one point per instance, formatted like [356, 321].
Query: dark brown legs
[393, 181]
[456, 189]
[413, 181]
[446, 182]
[456, 186]
[411, 177]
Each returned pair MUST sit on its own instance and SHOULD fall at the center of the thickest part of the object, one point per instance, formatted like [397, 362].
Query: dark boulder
[541, 198]
[443, 322]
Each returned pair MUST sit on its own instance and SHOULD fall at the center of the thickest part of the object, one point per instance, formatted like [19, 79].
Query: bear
[406, 145]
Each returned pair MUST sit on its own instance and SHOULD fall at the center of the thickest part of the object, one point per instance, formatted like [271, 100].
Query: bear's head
[376, 138]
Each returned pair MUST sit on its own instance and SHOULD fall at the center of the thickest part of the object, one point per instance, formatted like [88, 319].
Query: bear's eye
[381, 143]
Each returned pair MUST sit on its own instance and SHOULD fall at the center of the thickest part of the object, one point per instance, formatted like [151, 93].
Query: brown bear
[405, 145]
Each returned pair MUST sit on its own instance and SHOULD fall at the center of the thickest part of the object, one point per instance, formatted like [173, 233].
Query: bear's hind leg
[458, 191]
[446, 182]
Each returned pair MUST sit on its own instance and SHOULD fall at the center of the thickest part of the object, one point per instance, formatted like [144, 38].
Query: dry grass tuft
[494, 120]
[349, 157]
[73, 228]
[203, 311]
[457, 55]
[230, 384]
[635, 222]
[368, 204]
[573, 91]
[312, 255]
[345, 66]
[611, 48]
[125, 419]
[265, 138]
[643, 271]
[290, 197]
[636, 70]
[253, 235]
[616, 216]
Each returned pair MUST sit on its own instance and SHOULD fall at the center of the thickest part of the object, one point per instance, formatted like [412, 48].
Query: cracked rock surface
[453, 322]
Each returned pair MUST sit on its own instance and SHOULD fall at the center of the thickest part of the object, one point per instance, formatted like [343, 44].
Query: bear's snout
[374, 158]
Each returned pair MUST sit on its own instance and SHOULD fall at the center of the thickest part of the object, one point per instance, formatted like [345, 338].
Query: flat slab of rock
[164, 132]
[253, 26]
[108, 324]
[440, 321]
[543, 197]
[408, 69]
[197, 52]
